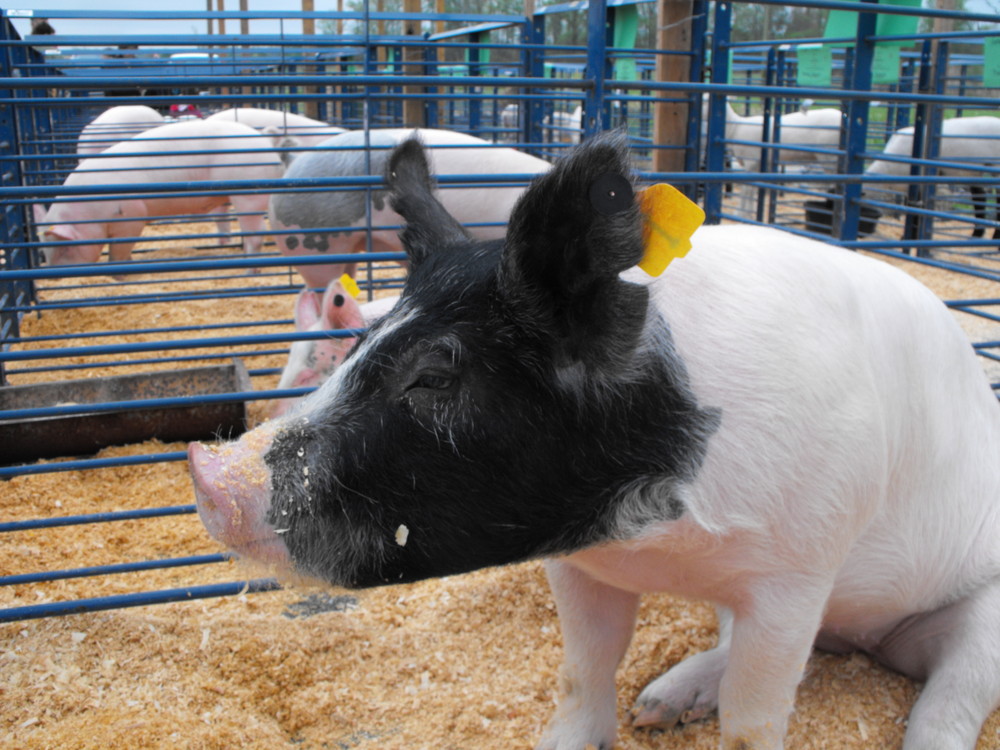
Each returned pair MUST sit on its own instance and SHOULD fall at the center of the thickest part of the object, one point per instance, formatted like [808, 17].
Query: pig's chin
[233, 494]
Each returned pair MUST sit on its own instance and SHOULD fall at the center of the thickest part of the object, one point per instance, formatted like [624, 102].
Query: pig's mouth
[232, 491]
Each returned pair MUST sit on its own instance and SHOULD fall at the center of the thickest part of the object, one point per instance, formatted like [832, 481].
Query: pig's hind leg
[597, 622]
[957, 650]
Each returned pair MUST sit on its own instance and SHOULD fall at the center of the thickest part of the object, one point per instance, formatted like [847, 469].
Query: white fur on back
[851, 409]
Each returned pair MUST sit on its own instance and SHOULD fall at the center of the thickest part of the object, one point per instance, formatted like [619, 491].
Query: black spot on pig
[309, 242]
[521, 400]
[291, 242]
[322, 245]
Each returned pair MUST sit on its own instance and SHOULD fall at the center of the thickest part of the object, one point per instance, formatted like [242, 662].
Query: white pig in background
[795, 432]
[225, 151]
[320, 217]
[114, 125]
[972, 140]
[312, 361]
[307, 131]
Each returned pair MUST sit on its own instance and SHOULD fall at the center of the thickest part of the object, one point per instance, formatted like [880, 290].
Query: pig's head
[520, 400]
[49, 231]
[311, 362]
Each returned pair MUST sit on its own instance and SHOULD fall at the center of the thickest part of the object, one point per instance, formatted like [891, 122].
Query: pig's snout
[233, 492]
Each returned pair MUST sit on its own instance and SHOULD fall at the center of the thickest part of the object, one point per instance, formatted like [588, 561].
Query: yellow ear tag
[350, 285]
[671, 219]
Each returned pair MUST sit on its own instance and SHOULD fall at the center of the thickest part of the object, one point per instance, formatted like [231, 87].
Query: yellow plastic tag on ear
[671, 219]
[350, 285]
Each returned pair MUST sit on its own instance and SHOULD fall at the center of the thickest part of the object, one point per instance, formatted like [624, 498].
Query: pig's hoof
[688, 692]
[581, 731]
[656, 715]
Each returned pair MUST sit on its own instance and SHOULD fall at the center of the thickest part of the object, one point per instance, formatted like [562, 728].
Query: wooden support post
[311, 108]
[413, 109]
[245, 32]
[673, 32]
[380, 32]
[209, 8]
[228, 91]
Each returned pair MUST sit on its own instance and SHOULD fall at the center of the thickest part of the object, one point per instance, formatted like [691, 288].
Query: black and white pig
[795, 432]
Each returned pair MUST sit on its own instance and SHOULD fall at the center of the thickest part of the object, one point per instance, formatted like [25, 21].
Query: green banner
[844, 23]
[991, 62]
[885, 64]
[626, 28]
[815, 65]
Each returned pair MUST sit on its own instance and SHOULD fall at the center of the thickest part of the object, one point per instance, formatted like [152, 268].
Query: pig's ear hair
[411, 195]
[570, 235]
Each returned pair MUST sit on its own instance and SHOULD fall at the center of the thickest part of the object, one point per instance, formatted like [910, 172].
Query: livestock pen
[97, 529]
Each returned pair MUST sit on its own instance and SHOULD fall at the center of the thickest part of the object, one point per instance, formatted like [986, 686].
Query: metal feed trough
[190, 298]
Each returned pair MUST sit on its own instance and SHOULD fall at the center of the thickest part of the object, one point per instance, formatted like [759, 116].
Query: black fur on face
[520, 400]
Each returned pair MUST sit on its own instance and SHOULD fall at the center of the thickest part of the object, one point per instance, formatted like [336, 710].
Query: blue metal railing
[362, 79]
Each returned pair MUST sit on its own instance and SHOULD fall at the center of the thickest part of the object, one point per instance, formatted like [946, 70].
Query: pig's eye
[433, 381]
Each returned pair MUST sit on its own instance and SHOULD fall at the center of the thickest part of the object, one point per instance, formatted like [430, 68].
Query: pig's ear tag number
[671, 219]
[350, 285]
[611, 194]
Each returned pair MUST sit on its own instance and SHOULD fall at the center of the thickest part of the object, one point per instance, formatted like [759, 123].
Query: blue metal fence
[500, 78]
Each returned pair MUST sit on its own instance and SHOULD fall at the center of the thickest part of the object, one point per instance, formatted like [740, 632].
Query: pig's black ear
[575, 229]
[411, 195]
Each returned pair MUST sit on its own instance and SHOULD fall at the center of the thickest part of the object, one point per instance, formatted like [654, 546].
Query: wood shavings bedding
[468, 662]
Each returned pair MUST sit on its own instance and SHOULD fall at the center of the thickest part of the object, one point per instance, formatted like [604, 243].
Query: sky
[198, 26]
[159, 26]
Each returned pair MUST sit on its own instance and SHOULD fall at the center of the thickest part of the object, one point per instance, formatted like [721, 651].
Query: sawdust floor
[465, 662]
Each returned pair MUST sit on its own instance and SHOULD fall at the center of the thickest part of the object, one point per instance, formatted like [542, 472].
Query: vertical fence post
[475, 98]
[431, 68]
[595, 115]
[15, 296]
[770, 128]
[716, 156]
[913, 225]
[530, 113]
[699, 30]
[932, 142]
[857, 123]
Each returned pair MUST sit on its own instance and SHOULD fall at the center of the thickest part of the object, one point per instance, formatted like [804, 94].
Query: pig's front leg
[773, 632]
[597, 622]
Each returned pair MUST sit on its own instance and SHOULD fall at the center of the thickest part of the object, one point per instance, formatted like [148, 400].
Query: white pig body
[114, 125]
[972, 140]
[323, 216]
[796, 433]
[307, 131]
[225, 151]
[809, 515]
